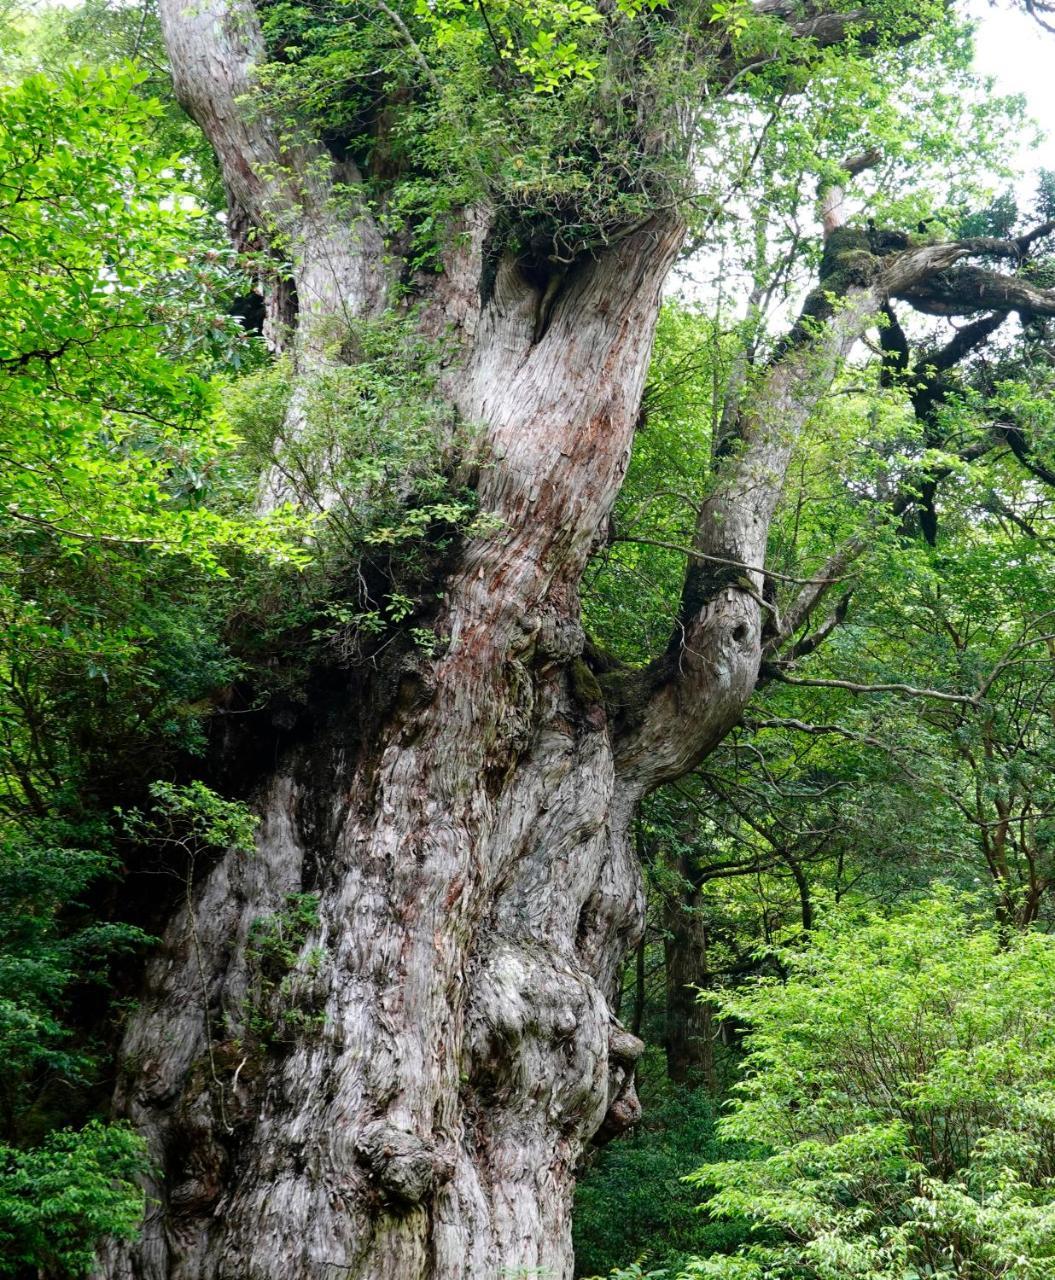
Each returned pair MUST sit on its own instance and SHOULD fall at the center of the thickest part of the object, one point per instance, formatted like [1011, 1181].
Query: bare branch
[813, 592]
[693, 554]
[802, 726]
[851, 686]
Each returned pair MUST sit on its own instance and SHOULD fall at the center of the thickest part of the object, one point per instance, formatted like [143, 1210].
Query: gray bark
[445, 1045]
[457, 1046]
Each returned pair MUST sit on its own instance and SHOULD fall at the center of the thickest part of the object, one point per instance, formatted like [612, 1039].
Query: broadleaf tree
[112, 314]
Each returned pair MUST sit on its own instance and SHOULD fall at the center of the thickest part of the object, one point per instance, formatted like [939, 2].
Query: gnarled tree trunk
[467, 838]
[476, 890]
[448, 1043]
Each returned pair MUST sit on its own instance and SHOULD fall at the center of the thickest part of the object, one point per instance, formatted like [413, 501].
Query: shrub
[900, 1093]
[60, 1199]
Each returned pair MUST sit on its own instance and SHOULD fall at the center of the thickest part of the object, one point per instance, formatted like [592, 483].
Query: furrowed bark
[408, 1100]
[455, 1046]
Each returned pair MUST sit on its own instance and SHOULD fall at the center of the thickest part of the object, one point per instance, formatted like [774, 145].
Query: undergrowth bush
[633, 1202]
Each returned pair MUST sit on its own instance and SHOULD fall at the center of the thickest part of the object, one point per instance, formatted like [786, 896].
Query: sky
[1020, 55]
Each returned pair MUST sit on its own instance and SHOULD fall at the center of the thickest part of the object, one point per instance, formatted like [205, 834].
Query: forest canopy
[527, 695]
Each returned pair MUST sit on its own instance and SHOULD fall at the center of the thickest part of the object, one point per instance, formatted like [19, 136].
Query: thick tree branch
[284, 187]
[1016, 247]
[697, 691]
[810, 22]
[963, 342]
[689, 698]
[970, 289]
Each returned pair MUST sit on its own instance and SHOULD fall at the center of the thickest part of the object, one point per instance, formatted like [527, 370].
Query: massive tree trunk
[468, 842]
[462, 825]
[409, 1098]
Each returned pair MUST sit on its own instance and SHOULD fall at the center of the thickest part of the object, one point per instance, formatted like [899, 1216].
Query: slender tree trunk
[688, 1037]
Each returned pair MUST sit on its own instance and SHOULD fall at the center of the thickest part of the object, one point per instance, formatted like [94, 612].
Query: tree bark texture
[477, 891]
[464, 830]
[444, 1044]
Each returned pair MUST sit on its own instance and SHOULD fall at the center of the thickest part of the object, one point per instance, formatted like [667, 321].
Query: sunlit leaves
[899, 1089]
[107, 289]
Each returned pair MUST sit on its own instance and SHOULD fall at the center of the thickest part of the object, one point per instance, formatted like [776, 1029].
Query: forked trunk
[395, 1079]
[410, 1097]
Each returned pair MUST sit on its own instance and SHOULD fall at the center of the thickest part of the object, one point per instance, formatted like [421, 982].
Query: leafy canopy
[108, 429]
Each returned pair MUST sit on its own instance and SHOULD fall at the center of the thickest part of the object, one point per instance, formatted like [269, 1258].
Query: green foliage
[60, 1200]
[108, 36]
[375, 443]
[899, 1090]
[60, 1197]
[108, 432]
[633, 1200]
[108, 663]
[467, 80]
[275, 1012]
[632, 590]
[567, 117]
[275, 941]
[116, 462]
[380, 460]
[193, 819]
[53, 947]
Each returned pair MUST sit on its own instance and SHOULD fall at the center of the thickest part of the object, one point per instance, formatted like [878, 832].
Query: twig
[734, 564]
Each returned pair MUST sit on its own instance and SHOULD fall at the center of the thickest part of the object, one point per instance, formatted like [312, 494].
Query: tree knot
[559, 637]
[623, 1046]
[624, 1106]
[406, 1168]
